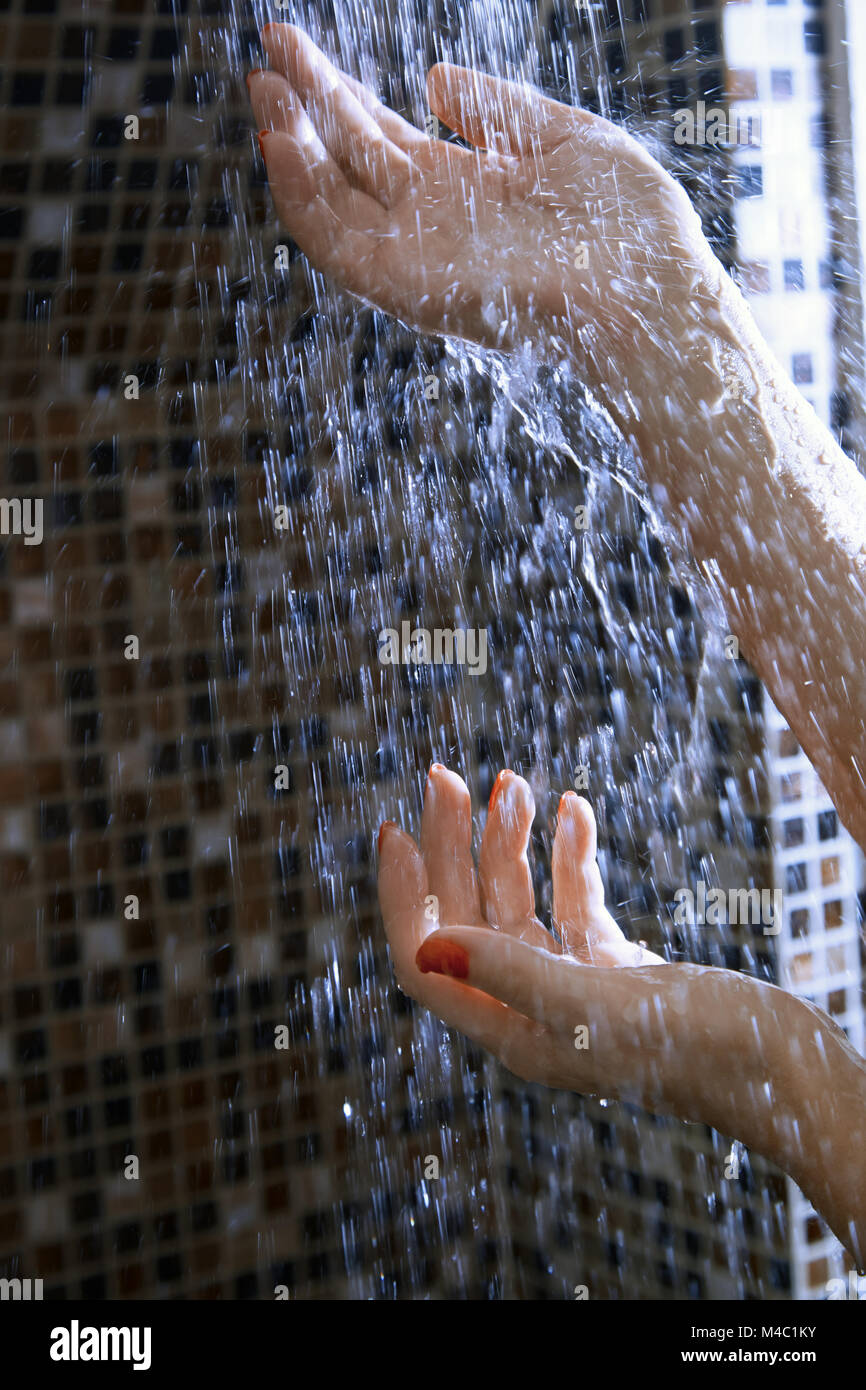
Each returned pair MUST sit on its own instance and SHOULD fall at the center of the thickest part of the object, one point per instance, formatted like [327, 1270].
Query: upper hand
[481, 243]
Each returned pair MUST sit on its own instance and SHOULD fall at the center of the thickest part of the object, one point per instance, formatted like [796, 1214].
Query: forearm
[823, 1140]
[782, 1078]
[773, 511]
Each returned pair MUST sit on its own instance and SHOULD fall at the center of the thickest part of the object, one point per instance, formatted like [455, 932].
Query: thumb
[526, 978]
[505, 117]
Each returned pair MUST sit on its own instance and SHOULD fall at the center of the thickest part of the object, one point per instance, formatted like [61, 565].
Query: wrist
[678, 387]
[744, 1085]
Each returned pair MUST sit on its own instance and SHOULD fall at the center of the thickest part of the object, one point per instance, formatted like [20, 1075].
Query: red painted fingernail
[497, 788]
[442, 958]
[562, 801]
[262, 134]
[271, 25]
[253, 72]
[382, 828]
[434, 767]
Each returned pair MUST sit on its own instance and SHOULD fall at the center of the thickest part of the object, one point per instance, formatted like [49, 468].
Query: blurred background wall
[187, 821]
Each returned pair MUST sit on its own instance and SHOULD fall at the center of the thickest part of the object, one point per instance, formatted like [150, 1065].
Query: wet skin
[480, 244]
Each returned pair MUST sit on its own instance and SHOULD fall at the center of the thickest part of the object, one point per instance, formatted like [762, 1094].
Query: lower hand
[586, 1009]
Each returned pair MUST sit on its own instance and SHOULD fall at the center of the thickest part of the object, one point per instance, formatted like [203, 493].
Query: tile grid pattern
[154, 1035]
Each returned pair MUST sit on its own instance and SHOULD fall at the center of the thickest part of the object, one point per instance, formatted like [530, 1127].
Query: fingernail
[570, 823]
[382, 828]
[442, 958]
[271, 25]
[262, 134]
[497, 788]
[253, 72]
[434, 767]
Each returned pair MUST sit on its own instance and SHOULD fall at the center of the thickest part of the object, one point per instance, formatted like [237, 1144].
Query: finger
[587, 929]
[403, 891]
[281, 49]
[446, 844]
[338, 227]
[370, 160]
[503, 866]
[304, 169]
[507, 117]
[406, 136]
[278, 110]
[578, 892]
[277, 107]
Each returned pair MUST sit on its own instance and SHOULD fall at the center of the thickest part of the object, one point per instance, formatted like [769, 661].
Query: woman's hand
[593, 1013]
[556, 221]
[589, 1011]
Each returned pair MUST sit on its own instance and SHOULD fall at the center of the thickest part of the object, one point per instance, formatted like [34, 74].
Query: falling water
[458, 509]
[455, 507]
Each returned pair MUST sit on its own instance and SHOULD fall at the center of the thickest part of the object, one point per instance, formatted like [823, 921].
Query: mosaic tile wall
[186, 838]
